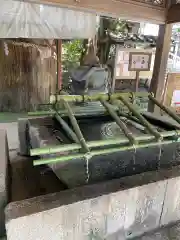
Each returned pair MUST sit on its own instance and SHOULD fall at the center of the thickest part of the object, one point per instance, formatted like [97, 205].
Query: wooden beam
[129, 9]
[173, 15]
[160, 64]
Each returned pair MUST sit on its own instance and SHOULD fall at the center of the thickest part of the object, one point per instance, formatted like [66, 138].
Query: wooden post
[137, 80]
[59, 65]
[114, 70]
[160, 64]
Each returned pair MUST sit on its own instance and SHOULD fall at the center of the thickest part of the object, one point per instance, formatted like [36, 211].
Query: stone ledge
[4, 179]
[124, 208]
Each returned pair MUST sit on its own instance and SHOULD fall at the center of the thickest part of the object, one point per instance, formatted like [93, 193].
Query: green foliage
[71, 53]
[73, 49]
[71, 56]
[117, 26]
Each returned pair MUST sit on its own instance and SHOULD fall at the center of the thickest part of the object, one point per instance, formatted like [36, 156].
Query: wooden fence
[27, 76]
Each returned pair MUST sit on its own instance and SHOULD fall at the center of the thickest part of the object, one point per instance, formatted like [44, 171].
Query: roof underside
[66, 19]
[135, 10]
[29, 20]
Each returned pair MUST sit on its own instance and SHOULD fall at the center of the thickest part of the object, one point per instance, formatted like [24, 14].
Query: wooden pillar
[160, 64]
[59, 65]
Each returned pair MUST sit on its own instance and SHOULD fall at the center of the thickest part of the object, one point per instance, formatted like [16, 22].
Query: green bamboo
[66, 128]
[77, 111]
[141, 118]
[165, 109]
[76, 126]
[73, 147]
[95, 97]
[136, 125]
[101, 143]
[128, 116]
[41, 113]
[98, 152]
[120, 123]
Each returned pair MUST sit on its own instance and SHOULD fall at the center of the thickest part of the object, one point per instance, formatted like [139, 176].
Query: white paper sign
[175, 102]
[140, 61]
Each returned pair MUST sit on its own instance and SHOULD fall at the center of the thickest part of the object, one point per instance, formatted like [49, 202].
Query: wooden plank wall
[26, 78]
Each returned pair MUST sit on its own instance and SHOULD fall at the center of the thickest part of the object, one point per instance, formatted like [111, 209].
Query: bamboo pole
[42, 113]
[66, 128]
[80, 112]
[74, 147]
[77, 111]
[98, 152]
[141, 119]
[95, 97]
[76, 127]
[132, 118]
[101, 143]
[165, 109]
[120, 123]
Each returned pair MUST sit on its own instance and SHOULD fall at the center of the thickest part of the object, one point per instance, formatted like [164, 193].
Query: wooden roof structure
[154, 11]
[173, 15]
[151, 10]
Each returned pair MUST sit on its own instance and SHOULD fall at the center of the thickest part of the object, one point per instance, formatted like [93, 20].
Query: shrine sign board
[139, 61]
